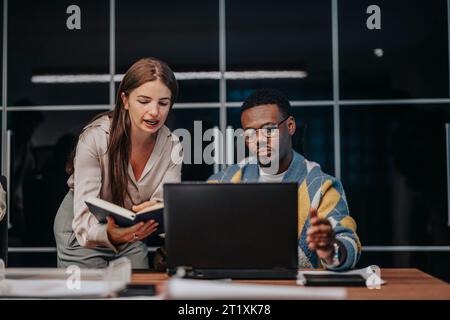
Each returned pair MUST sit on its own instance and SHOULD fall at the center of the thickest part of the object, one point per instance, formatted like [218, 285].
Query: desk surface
[409, 284]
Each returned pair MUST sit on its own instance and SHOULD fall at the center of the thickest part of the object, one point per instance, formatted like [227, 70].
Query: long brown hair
[142, 71]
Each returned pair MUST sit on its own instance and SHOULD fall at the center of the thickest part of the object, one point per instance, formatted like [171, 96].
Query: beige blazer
[90, 178]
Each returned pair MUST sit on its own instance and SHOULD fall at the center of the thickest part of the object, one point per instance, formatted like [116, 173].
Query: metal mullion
[223, 84]
[112, 52]
[336, 113]
[4, 87]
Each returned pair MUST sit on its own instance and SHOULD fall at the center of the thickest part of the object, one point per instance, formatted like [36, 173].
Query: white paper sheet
[57, 289]
[216, 290]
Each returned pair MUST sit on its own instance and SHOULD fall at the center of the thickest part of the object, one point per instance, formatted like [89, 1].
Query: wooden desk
[409, 284]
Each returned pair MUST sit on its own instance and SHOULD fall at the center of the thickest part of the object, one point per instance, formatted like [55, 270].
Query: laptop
[237, 231]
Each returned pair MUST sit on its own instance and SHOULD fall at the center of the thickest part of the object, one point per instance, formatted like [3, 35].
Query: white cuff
[98, 236]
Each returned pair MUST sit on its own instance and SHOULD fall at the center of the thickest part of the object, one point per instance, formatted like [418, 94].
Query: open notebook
[123, 217]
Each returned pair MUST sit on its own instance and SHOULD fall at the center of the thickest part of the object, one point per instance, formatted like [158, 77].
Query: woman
[123, 156]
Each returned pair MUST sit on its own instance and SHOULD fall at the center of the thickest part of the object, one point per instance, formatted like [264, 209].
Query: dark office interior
[371, 107]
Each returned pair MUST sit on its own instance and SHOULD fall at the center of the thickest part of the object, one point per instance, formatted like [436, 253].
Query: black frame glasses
[268, 130]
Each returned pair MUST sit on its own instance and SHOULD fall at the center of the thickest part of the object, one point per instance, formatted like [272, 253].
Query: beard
[267, 154]
[264, 161]
[270, 160]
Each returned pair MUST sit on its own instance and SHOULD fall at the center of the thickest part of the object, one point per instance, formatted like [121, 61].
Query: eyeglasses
[268, 131]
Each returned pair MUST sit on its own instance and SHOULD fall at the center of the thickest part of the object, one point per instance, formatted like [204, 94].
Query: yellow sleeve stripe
[349, 223]
[358, 243]
[326, 185]
[303, 206]
[236, 177]
[330, 199]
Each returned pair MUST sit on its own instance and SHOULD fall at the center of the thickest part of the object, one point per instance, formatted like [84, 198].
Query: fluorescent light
[250, 75]
[71, 78]
[182, 76]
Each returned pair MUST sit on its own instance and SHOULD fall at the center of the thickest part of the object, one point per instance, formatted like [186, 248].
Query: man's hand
[139, 231]
[320, 237]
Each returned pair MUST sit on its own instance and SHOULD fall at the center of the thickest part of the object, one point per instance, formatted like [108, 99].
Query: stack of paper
[216, 290]
[65, 283]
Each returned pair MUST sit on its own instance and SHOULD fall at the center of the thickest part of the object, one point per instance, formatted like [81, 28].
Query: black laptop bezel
[277, 272]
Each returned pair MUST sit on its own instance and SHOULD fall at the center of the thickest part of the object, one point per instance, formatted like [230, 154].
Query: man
[327, 233]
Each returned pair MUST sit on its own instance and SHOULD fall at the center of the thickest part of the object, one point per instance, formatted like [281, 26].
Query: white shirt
[91, 178]
[270, 178]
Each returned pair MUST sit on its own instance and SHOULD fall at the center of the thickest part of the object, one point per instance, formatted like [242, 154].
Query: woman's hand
[139, 231]
[144, 205]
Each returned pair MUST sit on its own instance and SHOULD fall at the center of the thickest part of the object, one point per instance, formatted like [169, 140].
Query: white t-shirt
[270, 178]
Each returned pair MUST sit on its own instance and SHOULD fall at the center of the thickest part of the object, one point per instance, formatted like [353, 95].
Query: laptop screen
[231, 226]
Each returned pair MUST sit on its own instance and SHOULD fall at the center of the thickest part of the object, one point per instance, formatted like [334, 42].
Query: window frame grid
[336, 103]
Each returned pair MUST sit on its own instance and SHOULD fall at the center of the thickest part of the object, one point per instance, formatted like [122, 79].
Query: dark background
[391, 110]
